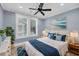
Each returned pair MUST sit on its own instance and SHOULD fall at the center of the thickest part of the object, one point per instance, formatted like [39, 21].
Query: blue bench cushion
[21, 51]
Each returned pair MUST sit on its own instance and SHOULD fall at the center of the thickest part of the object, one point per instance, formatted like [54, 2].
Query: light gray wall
[1, 17]
[40, 26]
[9, 19]
[72, 20]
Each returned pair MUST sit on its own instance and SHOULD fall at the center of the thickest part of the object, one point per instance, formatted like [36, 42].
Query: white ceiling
[56, 8]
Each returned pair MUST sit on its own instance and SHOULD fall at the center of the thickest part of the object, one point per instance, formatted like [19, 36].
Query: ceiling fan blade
[46, 9]
[33, 9]
[42, 13]
[36, 12]
[41, 5]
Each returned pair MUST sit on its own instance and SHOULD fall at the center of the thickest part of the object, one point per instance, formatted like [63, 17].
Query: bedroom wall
[72, 21]
[1, 17]
[10, 19]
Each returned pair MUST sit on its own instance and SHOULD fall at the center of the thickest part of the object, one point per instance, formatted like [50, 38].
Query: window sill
[26, 36]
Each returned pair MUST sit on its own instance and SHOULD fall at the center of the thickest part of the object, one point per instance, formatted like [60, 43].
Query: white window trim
[28, 27]
[36, 26]
[17, 16]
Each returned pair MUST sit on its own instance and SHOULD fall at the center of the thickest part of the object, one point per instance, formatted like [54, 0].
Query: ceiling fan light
[20, 6]
[62, 4]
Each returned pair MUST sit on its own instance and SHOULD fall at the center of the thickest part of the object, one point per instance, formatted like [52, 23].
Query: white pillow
[58, 37]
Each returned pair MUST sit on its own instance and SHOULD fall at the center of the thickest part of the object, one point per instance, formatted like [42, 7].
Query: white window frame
[28, 26]
[36, 26]
[17, 16]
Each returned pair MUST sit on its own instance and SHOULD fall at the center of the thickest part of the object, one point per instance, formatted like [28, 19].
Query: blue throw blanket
[44, 48]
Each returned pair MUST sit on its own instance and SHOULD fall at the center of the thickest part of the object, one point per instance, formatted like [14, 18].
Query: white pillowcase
[58, 37]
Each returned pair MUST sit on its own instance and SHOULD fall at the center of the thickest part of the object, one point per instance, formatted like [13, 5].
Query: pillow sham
[60, 37]
[51, 35]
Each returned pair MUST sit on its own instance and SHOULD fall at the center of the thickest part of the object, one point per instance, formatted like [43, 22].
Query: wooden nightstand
[74, 48]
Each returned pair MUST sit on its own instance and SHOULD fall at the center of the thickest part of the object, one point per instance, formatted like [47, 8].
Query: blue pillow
[51, 35]
[63, 37]
[60, 37]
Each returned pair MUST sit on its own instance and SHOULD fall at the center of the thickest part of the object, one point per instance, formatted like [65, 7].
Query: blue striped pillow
[51, 35]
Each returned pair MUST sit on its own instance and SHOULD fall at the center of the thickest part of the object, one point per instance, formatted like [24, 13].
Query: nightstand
[74, 48]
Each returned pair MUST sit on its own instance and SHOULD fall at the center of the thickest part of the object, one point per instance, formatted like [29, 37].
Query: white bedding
[61, 47]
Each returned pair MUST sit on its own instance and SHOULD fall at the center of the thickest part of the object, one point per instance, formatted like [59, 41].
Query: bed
[50, 47]
[46, 46]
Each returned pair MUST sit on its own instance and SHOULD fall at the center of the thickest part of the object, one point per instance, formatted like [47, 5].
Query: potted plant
[1, 32]
[10, 32]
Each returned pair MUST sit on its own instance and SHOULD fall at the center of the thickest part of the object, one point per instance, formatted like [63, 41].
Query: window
[25, 27]
[33, 26]
[22, 26]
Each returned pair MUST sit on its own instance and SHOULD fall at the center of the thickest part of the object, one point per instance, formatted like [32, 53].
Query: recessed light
[20, 6]
[62, 4]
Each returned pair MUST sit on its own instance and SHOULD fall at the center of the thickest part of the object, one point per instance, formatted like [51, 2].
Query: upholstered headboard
[58, 31]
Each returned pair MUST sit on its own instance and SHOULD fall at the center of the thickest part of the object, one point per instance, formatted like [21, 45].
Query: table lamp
[44, 33]
[74, 36]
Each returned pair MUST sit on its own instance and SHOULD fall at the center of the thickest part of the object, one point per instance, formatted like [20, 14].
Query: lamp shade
[74, 34]
[44, 32]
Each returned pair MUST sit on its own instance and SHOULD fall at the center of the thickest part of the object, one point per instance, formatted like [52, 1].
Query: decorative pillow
[21, 51]
[51, 35]
[60, 37]
[63, 37]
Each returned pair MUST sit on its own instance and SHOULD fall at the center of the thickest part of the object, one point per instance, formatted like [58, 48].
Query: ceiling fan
[40, 9]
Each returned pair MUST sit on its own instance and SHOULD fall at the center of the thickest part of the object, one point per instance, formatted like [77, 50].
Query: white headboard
[65, 32]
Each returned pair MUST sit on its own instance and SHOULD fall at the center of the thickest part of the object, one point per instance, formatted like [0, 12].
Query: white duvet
[59, 45]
